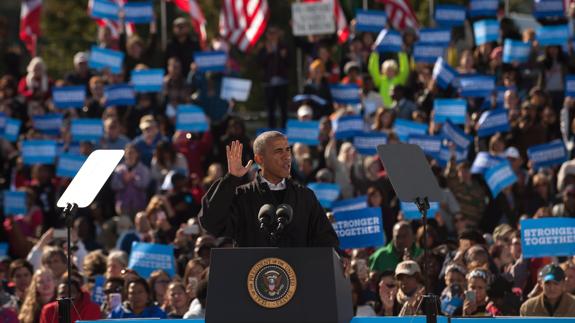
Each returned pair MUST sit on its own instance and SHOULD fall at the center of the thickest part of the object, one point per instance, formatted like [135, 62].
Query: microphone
[265, 216]
[284, 215]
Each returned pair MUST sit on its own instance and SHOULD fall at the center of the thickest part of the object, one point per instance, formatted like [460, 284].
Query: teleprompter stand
[413, 182]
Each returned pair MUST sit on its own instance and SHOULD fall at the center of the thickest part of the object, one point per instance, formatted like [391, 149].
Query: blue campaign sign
[549, 154]
[150, 80]
[148, 257]
[403, 128]
[69, 96]
[355, 203]
[305, 132]
[359, 228]
[366, 143]
[456, 135]
[101, 58]
[493, 121]
[345, 93]
[411, 212]
[435, 36]
[499, 177]
[450, 109]
[98, 295]
[485, 31]
[309, 97]
[483, 8]
[548, 9]
[388, 40]
[69, 164]
[347, 126]
[429, 144]
[120, 94]
[515, 51]
[235, 88]
[11, 129]
[445, 155]
[443, 74]
[3, 249]
[259, 131]
[48, 124]
[484, 161]
[552, 35]
[477, 86]
[191, 118]
[570, 86]
[547, 237]
[38, 151]
[139, 12]
[450, 15]
[3, 118]
[104, 9]
[87, 129]
[370, 20]
[212, 61]
[14, 202]
[326, 193]
[427, 52]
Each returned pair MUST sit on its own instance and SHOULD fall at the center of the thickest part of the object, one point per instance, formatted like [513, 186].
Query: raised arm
[374, 69]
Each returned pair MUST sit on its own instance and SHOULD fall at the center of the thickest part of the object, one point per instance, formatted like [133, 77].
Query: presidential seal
[272, 283]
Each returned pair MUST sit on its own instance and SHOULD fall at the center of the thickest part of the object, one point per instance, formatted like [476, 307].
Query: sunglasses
[391, 285]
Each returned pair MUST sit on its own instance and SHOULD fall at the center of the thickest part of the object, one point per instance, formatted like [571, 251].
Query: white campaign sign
[314, 18]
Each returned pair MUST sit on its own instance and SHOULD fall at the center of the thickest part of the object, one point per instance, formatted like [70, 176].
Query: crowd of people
[475, 263]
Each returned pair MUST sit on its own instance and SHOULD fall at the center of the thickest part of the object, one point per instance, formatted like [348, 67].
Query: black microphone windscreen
[266, 211]
[285, 211]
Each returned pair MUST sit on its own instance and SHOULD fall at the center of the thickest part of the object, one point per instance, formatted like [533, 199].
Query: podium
[277, 285]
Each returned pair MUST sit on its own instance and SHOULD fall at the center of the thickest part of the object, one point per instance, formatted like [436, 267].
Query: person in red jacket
[83, 308]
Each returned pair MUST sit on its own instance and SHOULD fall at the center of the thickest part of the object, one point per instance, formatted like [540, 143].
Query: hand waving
[234, 154]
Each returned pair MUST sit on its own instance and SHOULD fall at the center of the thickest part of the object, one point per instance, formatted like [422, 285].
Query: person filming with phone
[271, 210]
[475, 302]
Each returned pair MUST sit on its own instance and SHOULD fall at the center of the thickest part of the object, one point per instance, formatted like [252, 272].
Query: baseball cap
[304, 110]
[512, 152]
[180, 21]
[552, 272]
[147, 121]
[80, 57]
[407, 267]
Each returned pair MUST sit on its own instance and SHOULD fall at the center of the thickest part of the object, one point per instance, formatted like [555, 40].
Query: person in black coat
[231, 209]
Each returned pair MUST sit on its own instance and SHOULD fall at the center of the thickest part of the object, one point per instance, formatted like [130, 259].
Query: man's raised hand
[234, 154]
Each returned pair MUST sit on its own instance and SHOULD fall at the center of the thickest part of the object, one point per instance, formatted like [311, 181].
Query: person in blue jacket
[139, 303]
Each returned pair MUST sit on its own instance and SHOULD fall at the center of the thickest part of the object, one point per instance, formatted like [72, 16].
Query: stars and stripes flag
[113, 25]
[242, 22]
[400, 14]
[30, 23]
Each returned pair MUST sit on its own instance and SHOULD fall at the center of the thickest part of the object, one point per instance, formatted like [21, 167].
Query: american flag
[400, 14]
[242, 22]
[30, 23]
[198, 21]
[341, 25]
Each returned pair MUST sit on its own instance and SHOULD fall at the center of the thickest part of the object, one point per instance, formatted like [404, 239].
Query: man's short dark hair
[263, 139]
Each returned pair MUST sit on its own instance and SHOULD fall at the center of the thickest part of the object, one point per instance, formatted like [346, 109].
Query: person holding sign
[231, 209]
[554, 301]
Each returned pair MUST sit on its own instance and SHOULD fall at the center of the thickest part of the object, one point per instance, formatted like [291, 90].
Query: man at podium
[272, 210]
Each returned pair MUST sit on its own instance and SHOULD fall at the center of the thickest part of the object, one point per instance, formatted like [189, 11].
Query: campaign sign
[366, 143]
[549, 154]
[326, 193]
[191, 118]
[548, 9]
[548, 237]
[347, 126]
[151, 80]
[3, 249]
[570, 86]
[148, 257]
[403, 128]
[345, 93]
[38, 151]
[120, 94]
[388, 40]
[429, 144]
[515, 51]
[476, 86]
[449, 15]
[427, 52]
[48, 124]
[212, 61]
[259, 131]
[310, 98]
[483, 8]
[493, 121]
[443, 74]
[456, 135]
[370, 20]
[445, 155]
[104, 9]
[359, 228]
[139, 12]
[69, 164]
[3, 118]
[312, 18]
[12, 129]
[69, 96]
[484, 161]
[450, 109]
[439, 36]
[14, 202]
[355, 203]
[235, 88]
[499, 177]
[98, 295]
[552, 35]
[485, 31]
[87, 129]
[411, 212]
[101, 58]
[305, 132]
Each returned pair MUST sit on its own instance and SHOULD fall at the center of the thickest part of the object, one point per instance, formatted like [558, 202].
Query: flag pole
[164, 24]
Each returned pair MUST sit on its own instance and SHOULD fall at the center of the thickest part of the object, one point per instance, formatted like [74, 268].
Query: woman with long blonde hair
[42, 291]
